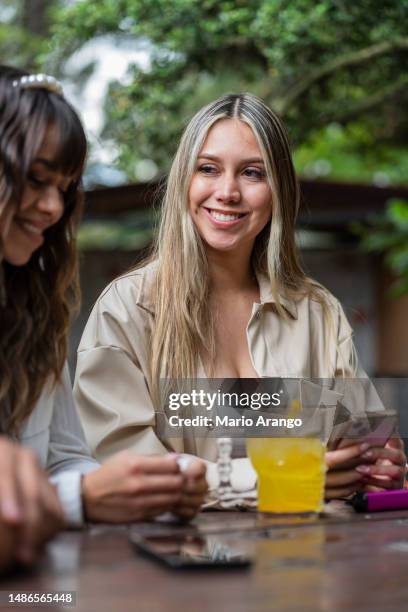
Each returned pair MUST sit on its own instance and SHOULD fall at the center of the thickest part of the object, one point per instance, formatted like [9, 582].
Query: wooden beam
[324, 205]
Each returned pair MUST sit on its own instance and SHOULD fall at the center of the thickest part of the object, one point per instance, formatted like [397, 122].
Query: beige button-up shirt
[112, 379]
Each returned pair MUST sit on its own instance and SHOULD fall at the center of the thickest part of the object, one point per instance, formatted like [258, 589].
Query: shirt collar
[266, 295]
[265, 292]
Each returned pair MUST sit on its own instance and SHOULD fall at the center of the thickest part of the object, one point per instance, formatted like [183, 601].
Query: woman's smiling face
[41, 207]
[230, 198]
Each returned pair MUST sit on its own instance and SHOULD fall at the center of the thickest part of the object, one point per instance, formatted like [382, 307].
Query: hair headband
[39, 81]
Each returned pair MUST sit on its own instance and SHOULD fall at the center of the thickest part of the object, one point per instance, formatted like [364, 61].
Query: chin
[18, 259]
[222, 247]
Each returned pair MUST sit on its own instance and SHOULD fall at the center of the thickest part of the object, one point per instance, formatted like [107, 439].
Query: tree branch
[349, 59]
[362, 106]
[35, 16]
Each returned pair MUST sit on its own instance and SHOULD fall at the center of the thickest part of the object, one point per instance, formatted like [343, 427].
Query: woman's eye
[255, 173]
[207, 169]
[35, 181]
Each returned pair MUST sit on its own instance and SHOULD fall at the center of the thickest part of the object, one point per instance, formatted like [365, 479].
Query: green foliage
[18, 46]
[129, 232]
[351, 152]
[316, 62]
[388, 234]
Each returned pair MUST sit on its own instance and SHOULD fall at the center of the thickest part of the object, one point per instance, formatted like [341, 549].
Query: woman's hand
[342, 477]
[131, 487]
[384, 467]
[195, 488]
[30, 509]
[359, 467]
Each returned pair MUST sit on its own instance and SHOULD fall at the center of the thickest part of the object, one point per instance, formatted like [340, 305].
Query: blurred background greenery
[336, 71]
[138, 69]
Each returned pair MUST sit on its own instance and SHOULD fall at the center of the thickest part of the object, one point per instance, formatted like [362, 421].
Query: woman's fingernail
[10, 511]
[184, 462]
[367, 455]
[364, 447]
[363, 469]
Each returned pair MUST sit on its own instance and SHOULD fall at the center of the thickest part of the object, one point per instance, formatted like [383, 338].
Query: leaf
[397, 212]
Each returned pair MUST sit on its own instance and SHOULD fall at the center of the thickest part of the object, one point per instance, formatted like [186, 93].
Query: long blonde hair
[184, 326]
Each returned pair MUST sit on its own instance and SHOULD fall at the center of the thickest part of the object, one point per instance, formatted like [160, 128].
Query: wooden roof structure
[325, 205]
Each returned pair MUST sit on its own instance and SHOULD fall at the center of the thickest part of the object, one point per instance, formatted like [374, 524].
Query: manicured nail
[184, 462]
[367, 455]
[364, 447]
[10, 511]
[363, 469]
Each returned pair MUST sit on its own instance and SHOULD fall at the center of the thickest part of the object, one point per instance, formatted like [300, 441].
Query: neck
[230, 271]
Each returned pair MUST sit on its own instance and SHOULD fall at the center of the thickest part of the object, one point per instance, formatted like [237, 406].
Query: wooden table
[342, 562]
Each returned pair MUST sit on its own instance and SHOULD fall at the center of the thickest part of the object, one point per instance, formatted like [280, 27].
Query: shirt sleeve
[111, 383]
[68, 454]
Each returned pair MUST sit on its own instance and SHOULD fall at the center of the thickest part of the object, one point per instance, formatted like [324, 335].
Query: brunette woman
[42, 156]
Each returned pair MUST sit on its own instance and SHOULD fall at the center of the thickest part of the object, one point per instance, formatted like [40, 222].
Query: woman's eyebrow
[249, 160]
[52, 167]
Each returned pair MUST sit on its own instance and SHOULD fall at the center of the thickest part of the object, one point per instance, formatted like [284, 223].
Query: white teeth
[222, 217]
[31, 228]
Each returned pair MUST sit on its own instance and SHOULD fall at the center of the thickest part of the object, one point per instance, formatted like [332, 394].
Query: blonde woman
[42, 155]
[223, 296]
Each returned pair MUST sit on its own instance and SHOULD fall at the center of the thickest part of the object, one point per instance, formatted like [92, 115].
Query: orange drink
[290, 473]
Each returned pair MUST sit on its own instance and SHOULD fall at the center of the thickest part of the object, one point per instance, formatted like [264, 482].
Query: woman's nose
[228, 189]
[51, 203]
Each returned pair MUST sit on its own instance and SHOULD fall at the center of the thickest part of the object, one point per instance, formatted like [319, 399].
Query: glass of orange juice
[291, 472]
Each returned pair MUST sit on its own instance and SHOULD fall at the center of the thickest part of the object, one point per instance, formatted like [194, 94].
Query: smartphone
[191, 551]
[374, 428]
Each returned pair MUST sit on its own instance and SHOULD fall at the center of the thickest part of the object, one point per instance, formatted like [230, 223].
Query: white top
[54, 432]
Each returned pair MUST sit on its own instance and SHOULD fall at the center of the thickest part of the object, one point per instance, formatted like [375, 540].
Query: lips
[30, 229]
[30, 226]
[224, 217]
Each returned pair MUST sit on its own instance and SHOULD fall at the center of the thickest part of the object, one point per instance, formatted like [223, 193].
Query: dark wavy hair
[37, 300]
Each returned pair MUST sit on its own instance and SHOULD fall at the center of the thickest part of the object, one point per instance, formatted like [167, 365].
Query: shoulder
[317, 297]
[123, 314]
[133, 289]
[322, 309]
